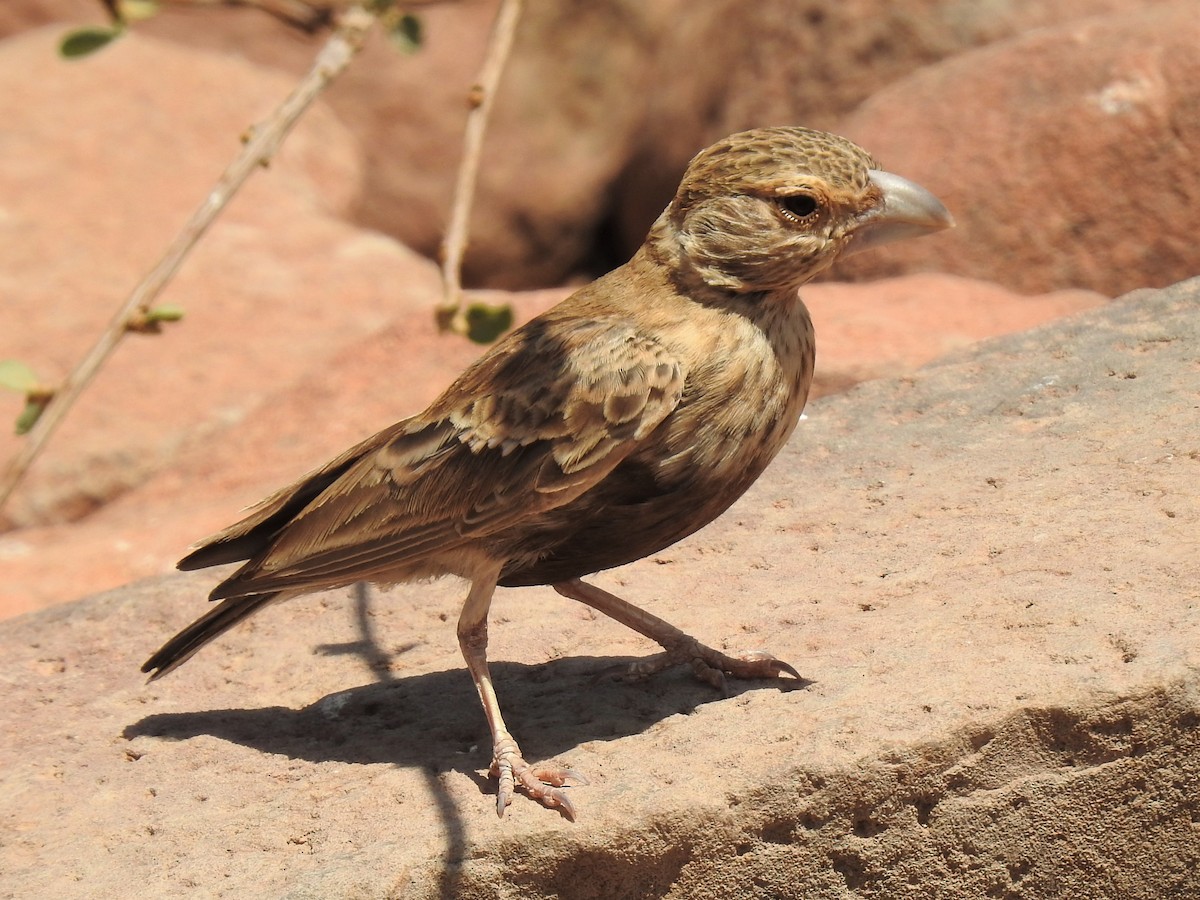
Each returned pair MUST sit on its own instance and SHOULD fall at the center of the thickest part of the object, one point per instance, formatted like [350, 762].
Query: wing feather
[529, 427]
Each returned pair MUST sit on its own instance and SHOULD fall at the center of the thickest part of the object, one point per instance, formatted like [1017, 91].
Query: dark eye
[798, 206]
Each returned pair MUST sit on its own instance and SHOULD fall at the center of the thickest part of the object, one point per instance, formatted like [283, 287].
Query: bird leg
[708, 664]
[541, 782]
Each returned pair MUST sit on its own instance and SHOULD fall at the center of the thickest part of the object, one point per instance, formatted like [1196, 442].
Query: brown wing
[532, 425]
[251, 535]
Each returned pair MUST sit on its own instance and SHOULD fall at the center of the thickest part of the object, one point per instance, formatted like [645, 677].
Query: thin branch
[263, 142]
[481, 96]
[307, 15]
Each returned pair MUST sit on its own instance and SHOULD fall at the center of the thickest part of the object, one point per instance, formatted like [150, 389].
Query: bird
[600, 432]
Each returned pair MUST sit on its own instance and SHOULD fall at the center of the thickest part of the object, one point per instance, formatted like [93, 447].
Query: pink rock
[565, 120]
[580, 122]
[893, 326]
[104, 160]
[1068, 155]
[863, 331]
[778, 61]
[20, 15]
[345, 397]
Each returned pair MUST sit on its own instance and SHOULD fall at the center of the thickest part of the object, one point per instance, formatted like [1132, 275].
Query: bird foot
[542, 782]
[712, 666]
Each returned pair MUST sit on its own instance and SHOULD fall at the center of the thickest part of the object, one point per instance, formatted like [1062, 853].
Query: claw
[502, 769]
[556, 799]
[709, 665]
[761, 664]
[542, 782]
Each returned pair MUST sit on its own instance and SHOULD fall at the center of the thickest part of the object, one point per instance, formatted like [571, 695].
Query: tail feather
[215, 622]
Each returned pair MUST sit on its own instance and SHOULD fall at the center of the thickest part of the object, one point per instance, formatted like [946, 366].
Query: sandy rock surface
[988, 570]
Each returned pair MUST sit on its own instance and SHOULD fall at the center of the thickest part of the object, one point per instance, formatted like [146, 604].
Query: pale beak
[907, 210]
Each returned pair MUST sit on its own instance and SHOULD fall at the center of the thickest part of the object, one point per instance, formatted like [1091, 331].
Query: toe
[710, 675]
[712, 666]
[557, 775]
[543, 782]
[709, 665]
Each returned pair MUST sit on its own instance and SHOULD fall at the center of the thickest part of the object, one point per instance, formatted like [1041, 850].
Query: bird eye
[798, 206]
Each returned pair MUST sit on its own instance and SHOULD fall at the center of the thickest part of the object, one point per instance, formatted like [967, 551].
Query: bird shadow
[424, 720]
[368, 647]
[433, 722]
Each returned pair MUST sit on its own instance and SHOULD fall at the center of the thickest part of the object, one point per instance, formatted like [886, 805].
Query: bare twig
[450, 313]
[307, 15]
[262, 143]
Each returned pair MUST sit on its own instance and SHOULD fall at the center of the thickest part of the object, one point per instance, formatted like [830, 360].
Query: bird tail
[215, 622]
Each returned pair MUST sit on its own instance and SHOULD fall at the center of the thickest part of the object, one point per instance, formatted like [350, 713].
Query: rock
[365, 387]
[864, 331]
[91, 197]
[589, 136]
[889, 327]
[782, 62]
[1067, 155]
[21, 15]
[563, 125]
[987, 568]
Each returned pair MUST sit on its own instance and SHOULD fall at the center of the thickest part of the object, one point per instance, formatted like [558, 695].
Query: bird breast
[748, 379]
[748, 374]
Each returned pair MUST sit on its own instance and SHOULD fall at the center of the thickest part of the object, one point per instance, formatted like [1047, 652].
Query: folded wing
[531, 426]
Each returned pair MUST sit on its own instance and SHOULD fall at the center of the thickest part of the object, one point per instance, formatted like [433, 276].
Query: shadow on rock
[433, 720]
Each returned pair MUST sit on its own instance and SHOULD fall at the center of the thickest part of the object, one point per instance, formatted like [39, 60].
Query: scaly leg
[541, 782]
[709, 665]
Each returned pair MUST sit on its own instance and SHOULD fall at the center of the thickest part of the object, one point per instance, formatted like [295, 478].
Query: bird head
[766, 210]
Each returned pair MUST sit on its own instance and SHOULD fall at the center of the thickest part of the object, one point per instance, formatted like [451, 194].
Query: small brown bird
[613, 425]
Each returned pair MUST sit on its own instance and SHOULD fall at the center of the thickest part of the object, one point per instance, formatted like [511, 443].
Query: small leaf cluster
[86, 41]
[17, 376]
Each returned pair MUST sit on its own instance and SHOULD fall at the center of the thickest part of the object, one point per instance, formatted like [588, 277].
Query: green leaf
[486, 323]
[84, 41]
[16, 376]
[164, 314]
[29, 415]
[406, 33]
